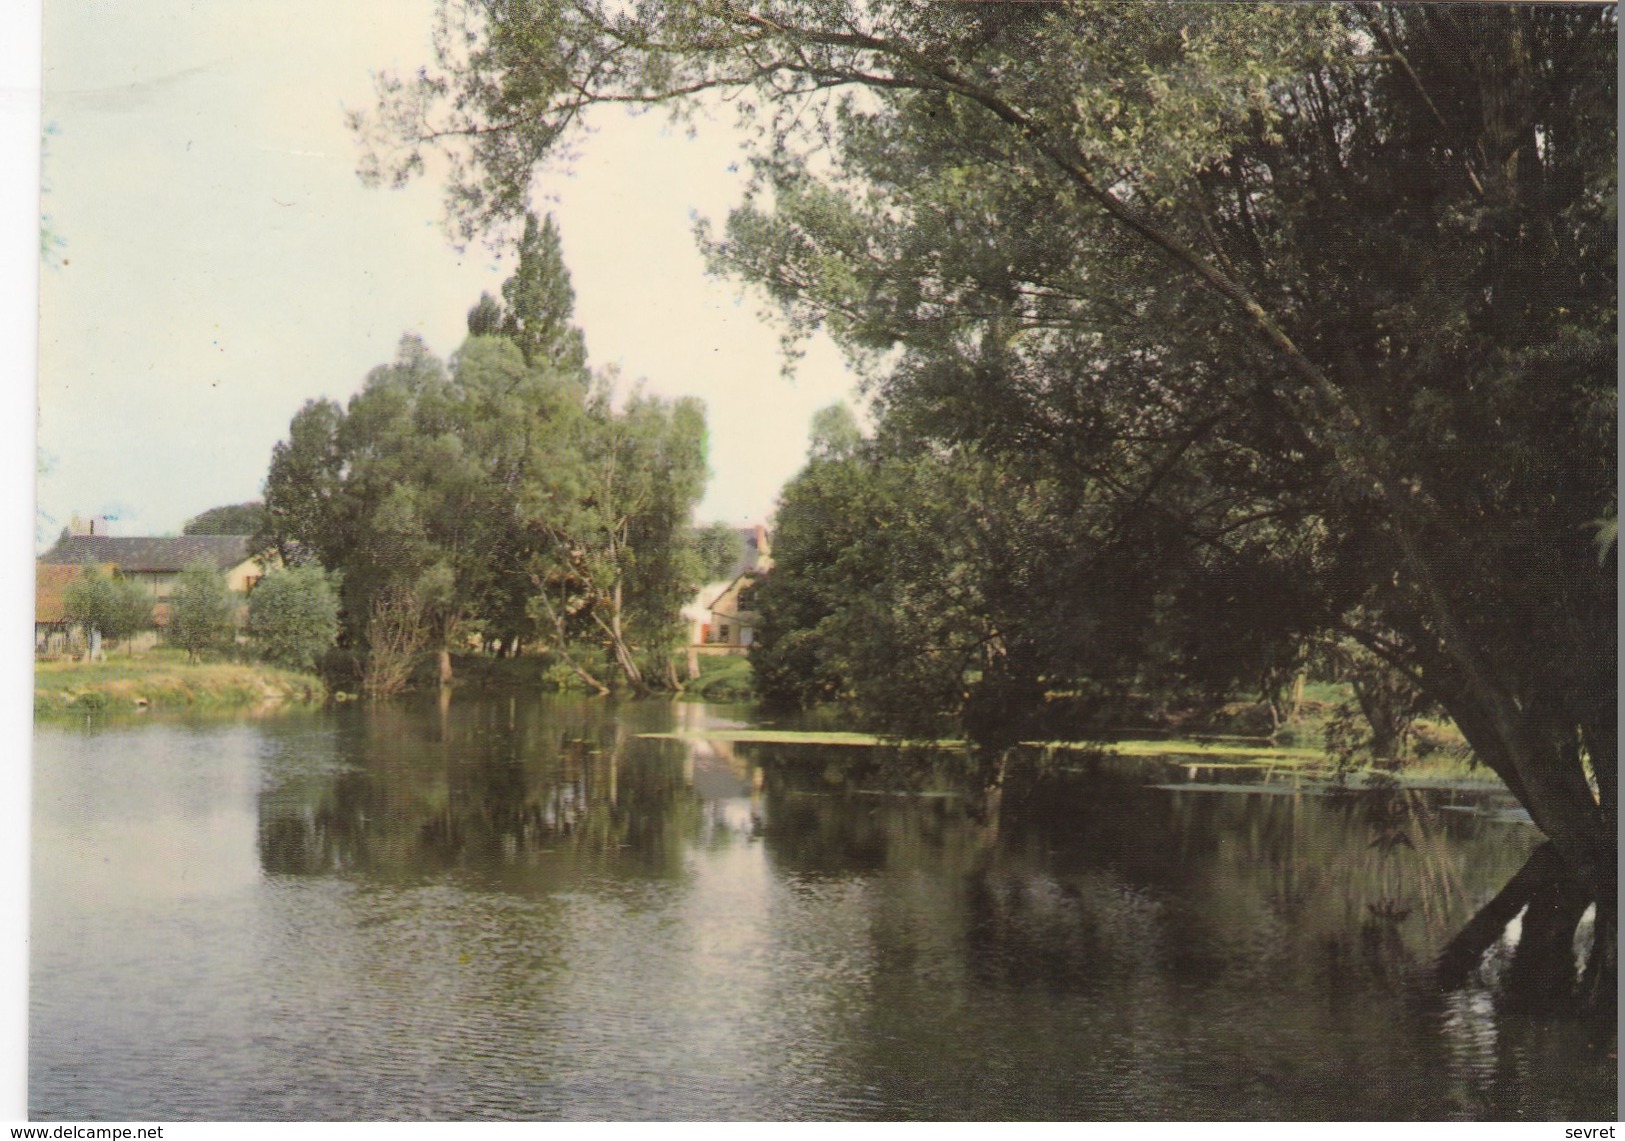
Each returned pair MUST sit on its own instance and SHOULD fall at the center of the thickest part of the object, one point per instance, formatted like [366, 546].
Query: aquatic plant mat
[1241, 755]
[1222, 765]
[795, 737]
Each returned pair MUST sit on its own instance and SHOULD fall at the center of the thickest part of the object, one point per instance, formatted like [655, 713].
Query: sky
[217, 262]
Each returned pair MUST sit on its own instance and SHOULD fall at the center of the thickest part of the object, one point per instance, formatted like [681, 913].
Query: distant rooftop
[757, 553]
[148, 555]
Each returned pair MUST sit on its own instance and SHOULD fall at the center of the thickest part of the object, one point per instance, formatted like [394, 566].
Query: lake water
[522, 909]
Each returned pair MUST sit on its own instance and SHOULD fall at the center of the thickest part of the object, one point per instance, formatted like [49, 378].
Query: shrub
[293, 617]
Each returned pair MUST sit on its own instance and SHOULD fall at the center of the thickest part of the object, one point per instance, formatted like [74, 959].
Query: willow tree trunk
[618, 644]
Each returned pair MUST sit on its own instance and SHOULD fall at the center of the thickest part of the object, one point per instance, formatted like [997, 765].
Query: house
[725, 620]
[157, 562]
[52, 630]
[722, 618]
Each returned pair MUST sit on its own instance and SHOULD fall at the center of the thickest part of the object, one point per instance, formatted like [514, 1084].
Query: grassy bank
[161, 679]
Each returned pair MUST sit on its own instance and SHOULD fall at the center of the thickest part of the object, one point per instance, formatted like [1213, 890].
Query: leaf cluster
[117, 607]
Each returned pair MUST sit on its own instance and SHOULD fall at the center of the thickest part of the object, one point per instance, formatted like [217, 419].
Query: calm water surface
[522, 909]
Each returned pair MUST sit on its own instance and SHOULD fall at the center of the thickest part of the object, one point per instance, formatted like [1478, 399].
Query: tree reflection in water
[1087, 913]
[491, 788]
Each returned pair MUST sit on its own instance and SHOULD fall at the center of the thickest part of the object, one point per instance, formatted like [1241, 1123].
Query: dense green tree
[718, 548]
[485, 318]
[834, 434]
[202, 611]
[232, 519]
[405, 488]
[506, 501]
[117, 608]
[305, 516]
[918, 584]
[293, 617]
[1318, 301]
[540, 300]
[609, 511]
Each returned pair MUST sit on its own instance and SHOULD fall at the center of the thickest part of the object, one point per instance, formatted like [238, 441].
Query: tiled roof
[149, 556]
[50, 584]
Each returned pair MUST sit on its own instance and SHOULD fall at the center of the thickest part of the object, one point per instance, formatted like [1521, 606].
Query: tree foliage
[614, 553]
[293, 617]
[505, 495]
[1309, 310]
[539, 301]
[232, 519]
[202, 611]
[718, 548]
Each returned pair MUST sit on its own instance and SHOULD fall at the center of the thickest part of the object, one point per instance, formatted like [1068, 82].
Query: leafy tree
[540, 300]
[116, 608]
[834, 434]
[233, 519]
[506, 500]
[412, 490]
[202, 611]
[1388, 702]
[293, 617]
[914, 583]
[392, 491]
[613, 554]
[718, 548]
[306, 518]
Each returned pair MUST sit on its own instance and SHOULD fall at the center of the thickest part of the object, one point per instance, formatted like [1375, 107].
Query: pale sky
[220, 263]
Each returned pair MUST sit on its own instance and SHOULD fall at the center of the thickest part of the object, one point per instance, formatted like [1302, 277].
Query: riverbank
[165, 680]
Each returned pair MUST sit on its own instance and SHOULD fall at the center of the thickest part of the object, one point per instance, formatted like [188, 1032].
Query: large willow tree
[1320, 298]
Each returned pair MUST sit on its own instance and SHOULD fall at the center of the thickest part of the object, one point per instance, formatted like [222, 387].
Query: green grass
[164, 679]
